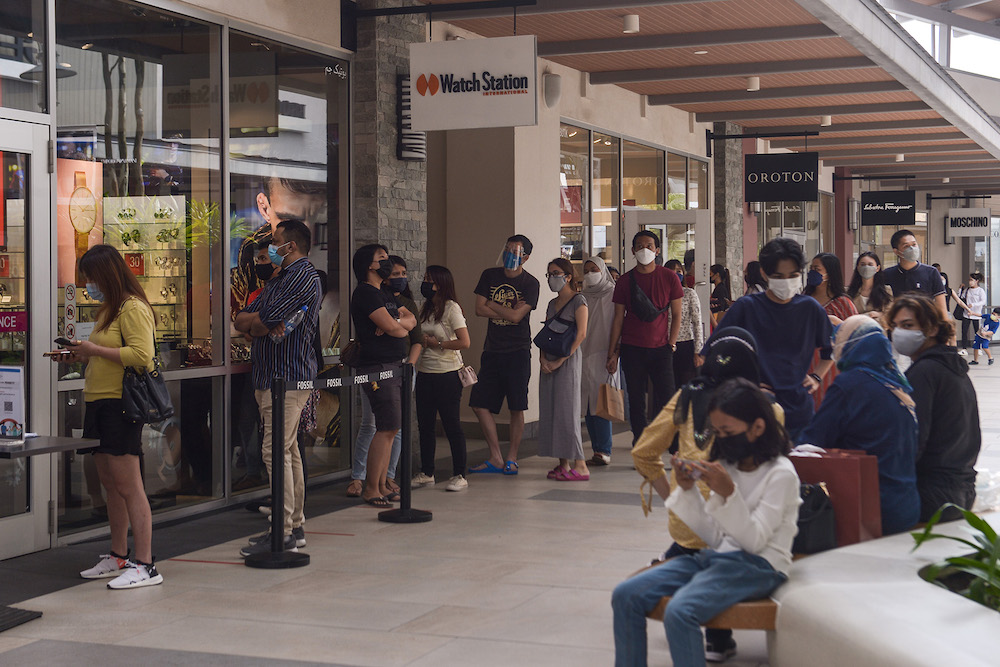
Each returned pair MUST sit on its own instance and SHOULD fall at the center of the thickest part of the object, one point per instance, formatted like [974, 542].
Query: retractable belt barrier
[278, 558]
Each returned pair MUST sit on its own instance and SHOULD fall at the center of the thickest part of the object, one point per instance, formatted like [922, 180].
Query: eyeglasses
[128, 238]
[163, 213]
[167, 262]
[126, 214]
[165, 235]
[169, 290]
[554, 275]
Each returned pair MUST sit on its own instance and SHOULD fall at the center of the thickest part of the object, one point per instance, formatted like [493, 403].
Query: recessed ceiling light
[753, 83]
[900, 157]
[630, 24]
[573, 133]
[88, 45]
[701, 53]
[826, 121]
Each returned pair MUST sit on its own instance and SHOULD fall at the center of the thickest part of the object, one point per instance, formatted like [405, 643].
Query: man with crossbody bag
[644, 331]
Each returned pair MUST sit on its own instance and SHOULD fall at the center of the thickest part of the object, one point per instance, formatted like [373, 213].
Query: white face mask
[645, 256]
[908, 341]
[784, 289]
[591, 279]
[867, 272]
[911, 254]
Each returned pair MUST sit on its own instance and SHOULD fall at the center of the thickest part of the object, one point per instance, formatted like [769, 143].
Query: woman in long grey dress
[559, 386]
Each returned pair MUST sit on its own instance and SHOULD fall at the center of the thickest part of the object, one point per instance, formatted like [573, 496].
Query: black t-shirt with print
[375, 348]
[494, 285]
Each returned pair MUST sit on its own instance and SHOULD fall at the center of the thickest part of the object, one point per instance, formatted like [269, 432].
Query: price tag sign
[4, 266]
[136, 263]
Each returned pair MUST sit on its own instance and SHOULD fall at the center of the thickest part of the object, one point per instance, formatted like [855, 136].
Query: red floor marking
[211, 562]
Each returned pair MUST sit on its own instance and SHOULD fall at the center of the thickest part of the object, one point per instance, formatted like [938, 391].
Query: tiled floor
[514, 571]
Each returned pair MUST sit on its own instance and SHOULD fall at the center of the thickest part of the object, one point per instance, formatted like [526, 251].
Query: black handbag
[557, 335]
[817, 522]
[350, 356]
[145, 399]
[641, 304]
[959, 312]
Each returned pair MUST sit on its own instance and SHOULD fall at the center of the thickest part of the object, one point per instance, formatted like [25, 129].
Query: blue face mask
[274, 255]
[94, 293]
[814, 279]
[510, 260]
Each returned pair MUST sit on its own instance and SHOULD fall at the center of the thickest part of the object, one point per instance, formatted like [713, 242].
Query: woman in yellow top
[123, 337]
[732, 353]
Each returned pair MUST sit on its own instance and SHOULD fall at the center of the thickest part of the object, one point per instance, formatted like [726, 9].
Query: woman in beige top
[870, 294]
[122, 338]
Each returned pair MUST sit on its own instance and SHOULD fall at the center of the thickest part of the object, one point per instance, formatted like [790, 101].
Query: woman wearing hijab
[732, 353]
[869, 407]
[598, 288]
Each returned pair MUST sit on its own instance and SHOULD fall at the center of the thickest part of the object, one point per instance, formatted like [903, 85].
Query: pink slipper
[552, 474]
[571, 476]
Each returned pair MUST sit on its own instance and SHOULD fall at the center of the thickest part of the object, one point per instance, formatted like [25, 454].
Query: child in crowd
[985, 335]
[748, 523]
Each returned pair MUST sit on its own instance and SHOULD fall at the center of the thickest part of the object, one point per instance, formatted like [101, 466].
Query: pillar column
[727, 162]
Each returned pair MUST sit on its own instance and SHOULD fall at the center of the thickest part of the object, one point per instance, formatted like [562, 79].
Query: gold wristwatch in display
[83, 217]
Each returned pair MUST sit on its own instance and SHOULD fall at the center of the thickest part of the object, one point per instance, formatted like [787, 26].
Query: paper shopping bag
[611, 401]
[852, 480]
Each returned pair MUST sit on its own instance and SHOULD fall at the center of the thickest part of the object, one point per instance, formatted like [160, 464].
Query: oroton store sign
[496, 85]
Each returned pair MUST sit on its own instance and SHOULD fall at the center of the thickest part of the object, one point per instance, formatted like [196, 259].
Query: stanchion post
[405, 514]
[277, 558]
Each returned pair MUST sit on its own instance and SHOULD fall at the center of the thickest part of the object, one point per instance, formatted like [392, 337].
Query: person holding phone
[123, 336]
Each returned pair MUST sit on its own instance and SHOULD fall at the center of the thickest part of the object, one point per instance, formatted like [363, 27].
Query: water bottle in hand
[291, 322]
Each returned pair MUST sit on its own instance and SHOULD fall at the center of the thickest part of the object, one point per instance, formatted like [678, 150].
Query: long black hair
[445, 292]
[741, 399]
[753, 278]
[879, 298]
[723, 273]
[834, 276]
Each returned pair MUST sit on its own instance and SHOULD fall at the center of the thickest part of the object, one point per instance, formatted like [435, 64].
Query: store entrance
[25, 327]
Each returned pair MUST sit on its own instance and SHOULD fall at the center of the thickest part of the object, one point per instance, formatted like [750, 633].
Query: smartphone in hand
[62, 340]
[689, 468]
[57, 353]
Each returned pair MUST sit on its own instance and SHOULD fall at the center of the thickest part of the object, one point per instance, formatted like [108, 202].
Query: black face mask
[384, 269]
[264, 271]
[733, 448]
[398, 284]
[427, 289]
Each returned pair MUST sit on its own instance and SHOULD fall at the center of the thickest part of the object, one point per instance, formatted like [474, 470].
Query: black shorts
[384, 396]
[104, 420]
[502, 375]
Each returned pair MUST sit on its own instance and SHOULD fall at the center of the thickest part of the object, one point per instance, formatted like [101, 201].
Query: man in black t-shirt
[506, 295]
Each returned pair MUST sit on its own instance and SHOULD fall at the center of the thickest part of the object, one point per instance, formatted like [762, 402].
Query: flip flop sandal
[555, 471]
[510, 468]
[392, 486]
[487, 467]
[392, 496]
[378, 501]
[572, 476]
[355, 488]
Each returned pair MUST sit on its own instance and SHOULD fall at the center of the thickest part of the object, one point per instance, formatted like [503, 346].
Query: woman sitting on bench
[748, 523]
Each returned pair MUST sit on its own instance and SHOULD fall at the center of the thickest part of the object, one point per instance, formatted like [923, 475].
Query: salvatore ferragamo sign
[893, 207]
[781, 177]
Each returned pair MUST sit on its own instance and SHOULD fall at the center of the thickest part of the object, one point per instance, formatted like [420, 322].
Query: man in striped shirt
[292, 358]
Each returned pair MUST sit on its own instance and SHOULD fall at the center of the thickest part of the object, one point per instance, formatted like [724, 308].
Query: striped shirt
[293, 358]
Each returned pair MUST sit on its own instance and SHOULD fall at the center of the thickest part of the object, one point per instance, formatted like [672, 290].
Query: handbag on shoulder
[467, 376]
[557, 335]
[145, 399]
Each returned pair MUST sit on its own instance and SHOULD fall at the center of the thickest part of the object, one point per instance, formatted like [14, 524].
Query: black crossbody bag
[641, 304]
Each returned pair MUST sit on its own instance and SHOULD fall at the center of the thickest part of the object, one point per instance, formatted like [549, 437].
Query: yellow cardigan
[132, 331]
[655, 441]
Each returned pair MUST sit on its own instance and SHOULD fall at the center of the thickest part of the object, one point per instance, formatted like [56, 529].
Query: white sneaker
[420, 479]
[137, 576]
[110, 565]
[457, 483]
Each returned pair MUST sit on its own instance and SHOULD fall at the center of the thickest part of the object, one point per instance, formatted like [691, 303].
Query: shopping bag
[851, 477]
[611, 401]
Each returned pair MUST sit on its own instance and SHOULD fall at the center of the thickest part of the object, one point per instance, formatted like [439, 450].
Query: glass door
[25, 484]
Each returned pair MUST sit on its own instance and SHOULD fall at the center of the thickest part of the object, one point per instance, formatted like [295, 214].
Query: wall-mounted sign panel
[781, 177]
[967, 222]
[893, 207]
[472, 83]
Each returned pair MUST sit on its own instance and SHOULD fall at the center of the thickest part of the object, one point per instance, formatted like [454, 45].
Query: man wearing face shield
[912, 275]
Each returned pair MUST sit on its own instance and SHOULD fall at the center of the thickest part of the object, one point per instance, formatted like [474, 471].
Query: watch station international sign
[888, 207]
[781, 177]
[967, 222]
[473, 83]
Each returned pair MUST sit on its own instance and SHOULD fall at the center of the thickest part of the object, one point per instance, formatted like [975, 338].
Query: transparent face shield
[511, 255]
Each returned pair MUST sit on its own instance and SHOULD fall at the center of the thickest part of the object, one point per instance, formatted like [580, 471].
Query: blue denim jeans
[599, 430]
[701, 585]
[359, 458]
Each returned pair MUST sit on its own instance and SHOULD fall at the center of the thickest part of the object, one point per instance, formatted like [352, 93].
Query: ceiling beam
[801, 112]
[969, 168]
[936, 15]
[866, 126]
[868, 139]
[777, 93]
[889, 161]
[561, 7]
[955, 5]
[685, 40]
[906, 150]
[728, 69]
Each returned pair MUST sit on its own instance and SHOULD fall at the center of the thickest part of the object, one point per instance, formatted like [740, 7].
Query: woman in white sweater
[748, 523]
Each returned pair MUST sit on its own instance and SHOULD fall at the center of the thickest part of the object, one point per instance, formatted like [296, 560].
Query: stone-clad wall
[390, 195]
[728, 161]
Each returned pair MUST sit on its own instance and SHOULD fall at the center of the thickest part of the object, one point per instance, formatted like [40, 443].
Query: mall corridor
[514, 571]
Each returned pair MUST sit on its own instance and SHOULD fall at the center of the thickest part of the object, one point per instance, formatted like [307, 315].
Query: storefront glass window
[676, 182]
[697, 184]
[642, 176]
[605, 187]
[22, 56]
[812, 247]
[288, 117]
[574, 194]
